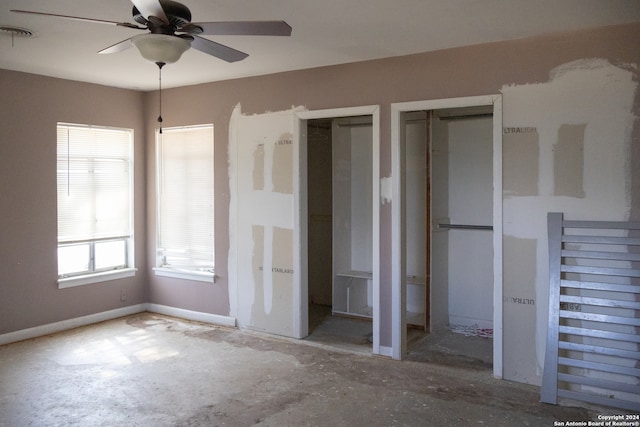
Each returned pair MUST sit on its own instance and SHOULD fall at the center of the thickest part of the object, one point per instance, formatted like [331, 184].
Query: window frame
[93, 274]
[206, 274]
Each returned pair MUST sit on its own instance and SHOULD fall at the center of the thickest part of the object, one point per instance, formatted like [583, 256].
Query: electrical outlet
[123, 295]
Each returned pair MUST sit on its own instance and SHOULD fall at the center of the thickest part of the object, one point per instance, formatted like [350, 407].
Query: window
[185, 241]
[94, 179]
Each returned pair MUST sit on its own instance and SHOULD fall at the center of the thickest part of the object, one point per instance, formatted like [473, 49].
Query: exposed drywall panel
[283, 164]
[261, 218]
[272, 306]
[520, 174]
[568, 161]
[257, 269]
[589, 94]
[258, 168]
[519, 308]
[282, 269]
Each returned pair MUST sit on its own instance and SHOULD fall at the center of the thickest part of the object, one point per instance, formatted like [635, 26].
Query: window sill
[185, 274]
[69, 282]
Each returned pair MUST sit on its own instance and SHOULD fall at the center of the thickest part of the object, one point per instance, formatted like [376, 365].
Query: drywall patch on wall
[273, 277]
[520, 175]
[261, 216]
[519, 308]
[386, 190]
[257, 267]
[258, 168]
[282, 279]
[584, 64]
[283, 164]
[599, 96]
[568, 161]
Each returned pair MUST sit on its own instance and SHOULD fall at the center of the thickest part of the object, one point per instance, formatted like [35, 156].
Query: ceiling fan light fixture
[161, 47]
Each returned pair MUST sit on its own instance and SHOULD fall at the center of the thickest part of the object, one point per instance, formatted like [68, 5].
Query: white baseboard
[64, 325]
[198, 316]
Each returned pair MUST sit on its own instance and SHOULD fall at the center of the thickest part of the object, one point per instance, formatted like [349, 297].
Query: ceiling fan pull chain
[160, 65]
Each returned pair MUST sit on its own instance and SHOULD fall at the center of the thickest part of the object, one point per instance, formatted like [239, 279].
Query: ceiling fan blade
[150, 8]
[246, 28]
[118, 47]
[79, 18]
[218, 50]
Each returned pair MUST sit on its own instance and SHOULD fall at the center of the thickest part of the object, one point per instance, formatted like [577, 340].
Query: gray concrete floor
[339, 332]
[152, 370]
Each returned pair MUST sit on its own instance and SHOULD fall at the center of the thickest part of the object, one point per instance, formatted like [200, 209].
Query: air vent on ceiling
[16, 31]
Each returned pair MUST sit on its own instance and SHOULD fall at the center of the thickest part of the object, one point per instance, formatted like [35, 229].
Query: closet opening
[448, 235]
[340, 217]
[458, 236]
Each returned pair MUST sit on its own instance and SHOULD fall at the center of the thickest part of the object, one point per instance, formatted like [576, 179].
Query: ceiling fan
[171, 32]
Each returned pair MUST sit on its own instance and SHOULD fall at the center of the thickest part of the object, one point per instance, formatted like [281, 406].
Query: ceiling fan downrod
[160, 65]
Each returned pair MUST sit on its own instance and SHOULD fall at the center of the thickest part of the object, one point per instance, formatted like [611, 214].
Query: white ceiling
[325, 32]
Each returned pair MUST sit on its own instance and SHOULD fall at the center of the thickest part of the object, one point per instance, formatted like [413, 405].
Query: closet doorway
[461, 205]
[446, 246]
[339, 163]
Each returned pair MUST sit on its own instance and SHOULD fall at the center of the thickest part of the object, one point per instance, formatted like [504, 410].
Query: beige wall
[32, 105]
[30, 109]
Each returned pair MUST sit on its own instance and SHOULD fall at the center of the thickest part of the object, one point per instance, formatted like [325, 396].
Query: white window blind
[94, 183]
[185, 198]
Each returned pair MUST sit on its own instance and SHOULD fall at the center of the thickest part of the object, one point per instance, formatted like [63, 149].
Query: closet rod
[466, 116]
[465, 227]
[355, 124]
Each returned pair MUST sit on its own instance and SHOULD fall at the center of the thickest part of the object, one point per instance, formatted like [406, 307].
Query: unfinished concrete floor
[443, 346]
[339, 332]
[152, 370]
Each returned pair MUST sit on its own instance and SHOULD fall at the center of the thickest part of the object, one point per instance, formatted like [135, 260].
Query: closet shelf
[356, 274]
[412, 280]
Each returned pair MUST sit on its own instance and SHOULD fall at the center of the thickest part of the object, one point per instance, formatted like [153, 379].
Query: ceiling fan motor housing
[178, 15]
